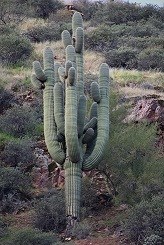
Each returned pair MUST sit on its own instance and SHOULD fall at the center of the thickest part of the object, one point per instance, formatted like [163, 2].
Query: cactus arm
[91, 124]
[59, 107]
[93, 111]
[56, 73]
[71, 133]
[36, 82]
[70, 55]
[50, 129]
[79, 43]
[88, 136]
[62, 75]
[103, 121]
[81, 114]
[66, 38]
[39, 72]
[77, 21]
[95, 92]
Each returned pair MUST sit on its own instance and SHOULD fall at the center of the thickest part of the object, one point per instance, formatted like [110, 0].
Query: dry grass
[57, 47]
[135, 91]
[92, 61]
[124, 77]
[28, 24]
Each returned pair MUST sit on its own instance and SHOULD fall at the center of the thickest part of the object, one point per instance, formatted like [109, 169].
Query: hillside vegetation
[130, 38]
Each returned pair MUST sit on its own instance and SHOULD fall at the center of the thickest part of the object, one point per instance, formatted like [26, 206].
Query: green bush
[142, 29]
[49, 32]
[43, 9]
[15, 190]
[101, 39]
[50, 213]
[125, 12]
[31, 236]
[19, 153]
[6, 99]
[146, 219]
[151, 58]
[3, 228]
[81, 230]
[19, 121]
[87, 7]
[88, 197]
[14, 48]
[122, 57]
[141, 43]
[132, 161]
[153, 240]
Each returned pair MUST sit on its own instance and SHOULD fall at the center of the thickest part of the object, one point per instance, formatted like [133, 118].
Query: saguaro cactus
[74, 141]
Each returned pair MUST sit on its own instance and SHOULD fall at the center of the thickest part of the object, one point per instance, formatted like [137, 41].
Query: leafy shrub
[50, 32]
[124, 12]
[141, 43]
[122, 57]
[50, 213]
[101, 39]
[143, 30]
[151, 58]
[81, 230]
[146, 219]
[88, 197]
[3, 228]
[14, 48]
[132, 161]
[43, 9]
[6, 99]
[15, 189]
[31, 236]
[19, 153]
[153, 240]
[87, 7]
[19, 121]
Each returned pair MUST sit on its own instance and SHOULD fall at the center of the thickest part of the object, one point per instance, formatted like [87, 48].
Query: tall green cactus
[72, 142]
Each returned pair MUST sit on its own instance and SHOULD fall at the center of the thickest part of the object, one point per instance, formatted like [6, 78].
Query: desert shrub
[142, 29]
[15, 189]
[153, 240]
[50, 213]
[124, 12]
[151, 58]
[31, 236]
[5, 30]
[49, 32]
[122, 57]
[87, 7]
[81, 230]
[141, 43]
[19, 153]
[3, 228]
[6, 99]
[88, 197]
[119, 13]
[19, 121]
[131, 160]
[101, 39]
[146, 219]
[14, 48]
[43, 9]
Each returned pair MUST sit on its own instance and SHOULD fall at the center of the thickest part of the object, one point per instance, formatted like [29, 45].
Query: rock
[150, 109]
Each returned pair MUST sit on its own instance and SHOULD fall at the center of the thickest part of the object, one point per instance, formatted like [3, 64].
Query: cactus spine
[73, 143]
